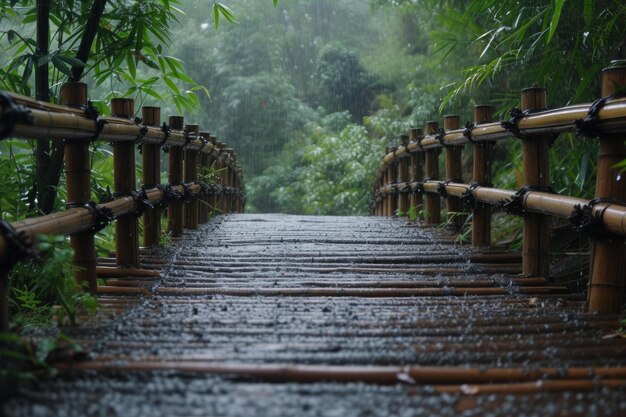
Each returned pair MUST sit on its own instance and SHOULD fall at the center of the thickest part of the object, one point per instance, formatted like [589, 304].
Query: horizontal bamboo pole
[367, 374]
[613, 216]
[358, 292]
[79, 219]
[611, 119]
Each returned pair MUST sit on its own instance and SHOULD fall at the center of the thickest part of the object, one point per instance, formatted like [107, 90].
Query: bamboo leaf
[588, 12]
[556, 16]
[275, 3]
[216, 16]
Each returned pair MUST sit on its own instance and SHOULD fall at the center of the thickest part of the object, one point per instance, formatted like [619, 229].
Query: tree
[342, 81]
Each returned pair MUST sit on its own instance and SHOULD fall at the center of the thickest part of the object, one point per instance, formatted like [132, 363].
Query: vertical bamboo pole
[233, 182]
[536, 245]
[403, 176]
[203, 203]
[214, 164]
[392, 175]
[191, 174]
[433, 202]
[606, 290]
[78, 180]
[125, 181]
[417, 169]
[385, 196]
[229, 180]
[151, 164]
[175, 177]
[481, 174]
[454, 172]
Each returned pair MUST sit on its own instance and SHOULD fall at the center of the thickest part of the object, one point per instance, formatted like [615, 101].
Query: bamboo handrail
[78, 124]
[604, 216]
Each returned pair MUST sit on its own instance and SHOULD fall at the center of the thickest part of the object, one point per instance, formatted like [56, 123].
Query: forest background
[310, 92]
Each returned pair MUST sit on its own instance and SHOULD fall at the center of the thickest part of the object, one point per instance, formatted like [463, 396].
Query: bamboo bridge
[271, 314]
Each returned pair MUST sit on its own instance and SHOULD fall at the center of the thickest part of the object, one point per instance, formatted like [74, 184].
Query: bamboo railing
[604, 217]
[78, 125]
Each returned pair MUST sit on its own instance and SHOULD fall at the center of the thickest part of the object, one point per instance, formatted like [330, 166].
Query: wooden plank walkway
[275, 315]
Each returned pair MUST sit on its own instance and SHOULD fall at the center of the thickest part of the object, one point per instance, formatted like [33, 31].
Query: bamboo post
[214, 164]
[433, 202]
[78, 180]
[126, 227]
[203, 202]
[417, 169]
[175, 177]
[606, 290]
[403, 176]
[482, 175]
[233, 175]
[191, 174]
[229, 180]
[151, 164]
[454, 173]
[385, 196]
[392, 177]
[536, 244]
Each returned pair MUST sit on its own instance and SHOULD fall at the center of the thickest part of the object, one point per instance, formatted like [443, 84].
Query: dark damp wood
[151, 159]
[175, 176]
[417, 169]
[431, 171]
[78, 184]
[536, 163]
[392, 176]
[608, 269]
[204, 165]
[482, 174]
[454, 172]
[403, 175]
[124, 179]
[191, 174]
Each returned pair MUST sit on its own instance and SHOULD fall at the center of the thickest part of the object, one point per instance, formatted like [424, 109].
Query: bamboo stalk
[417, 168]
[357, 292]
[124, 173]
[482, 175]
[403, 175]
[433, 202]
[175, 176]
[454, 172]
[78, 180]
[608, 269]
[191, 174]
[347, 374]
[151, 158]
[392, 175]
[535, 158]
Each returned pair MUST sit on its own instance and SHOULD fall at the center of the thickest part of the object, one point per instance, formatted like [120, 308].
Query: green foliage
[327, 172]
[38, 286]
[342, 81]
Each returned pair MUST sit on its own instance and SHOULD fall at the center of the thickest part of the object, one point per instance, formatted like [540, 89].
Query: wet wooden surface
[350, 316]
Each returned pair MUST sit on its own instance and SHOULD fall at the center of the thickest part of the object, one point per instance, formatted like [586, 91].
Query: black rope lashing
[143, 131]
[17, 245]
[166, 191]
[419, 188]
[167, 131]
[512, 124]
[515, 205]
[12, 114]
[588, 126]
[102, 216]
[467, 198]
[467, 132]
[440, 135]
[441, 187]
[585, 221]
